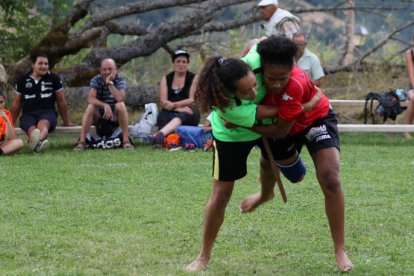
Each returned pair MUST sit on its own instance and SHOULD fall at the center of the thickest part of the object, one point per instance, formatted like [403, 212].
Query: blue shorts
[32, 118]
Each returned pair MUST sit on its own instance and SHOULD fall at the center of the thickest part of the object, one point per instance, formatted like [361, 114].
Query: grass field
[140, 212]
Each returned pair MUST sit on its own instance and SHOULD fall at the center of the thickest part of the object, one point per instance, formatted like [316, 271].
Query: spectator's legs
[171, 126]
[326, 162]
[122, 113]
[12, 146]
[213, 219]
[43, 126]
[87, 120]
[409, 113]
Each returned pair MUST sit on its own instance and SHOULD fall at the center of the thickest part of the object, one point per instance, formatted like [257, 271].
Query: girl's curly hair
[216, 82]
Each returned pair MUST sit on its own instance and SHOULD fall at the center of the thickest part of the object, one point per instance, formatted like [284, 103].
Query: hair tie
[220, 61]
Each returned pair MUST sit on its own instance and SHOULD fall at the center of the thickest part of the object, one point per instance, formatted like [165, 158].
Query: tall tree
[88, 24]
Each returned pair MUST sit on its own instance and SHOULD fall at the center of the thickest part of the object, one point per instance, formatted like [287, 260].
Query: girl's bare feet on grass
[198, 265]
[343, 263]
[407, 135]
[253, 201]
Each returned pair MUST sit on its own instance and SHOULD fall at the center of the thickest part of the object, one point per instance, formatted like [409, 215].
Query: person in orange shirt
[8, 143]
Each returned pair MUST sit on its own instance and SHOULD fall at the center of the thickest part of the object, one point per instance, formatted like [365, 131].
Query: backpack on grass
[143, 128]
[387, 105]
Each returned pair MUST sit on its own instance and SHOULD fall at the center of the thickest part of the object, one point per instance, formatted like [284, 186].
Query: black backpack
[388, 106]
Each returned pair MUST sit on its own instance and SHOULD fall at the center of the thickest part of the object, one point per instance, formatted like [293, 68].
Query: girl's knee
[330, 181]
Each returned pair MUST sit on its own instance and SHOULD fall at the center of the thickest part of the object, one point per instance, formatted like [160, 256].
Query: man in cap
[277, 20]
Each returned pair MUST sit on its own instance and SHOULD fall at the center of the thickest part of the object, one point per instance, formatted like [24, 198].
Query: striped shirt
[102, 90]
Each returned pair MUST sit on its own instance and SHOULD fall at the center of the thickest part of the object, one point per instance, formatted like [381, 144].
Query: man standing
[106, 100]
[278, 21]
[36, 95]
[307, 60]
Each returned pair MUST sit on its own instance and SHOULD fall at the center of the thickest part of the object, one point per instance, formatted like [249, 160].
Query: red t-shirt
[298, 90]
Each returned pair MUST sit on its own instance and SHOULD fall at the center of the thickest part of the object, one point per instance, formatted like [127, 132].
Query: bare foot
[198, 265]
[343, 263]
[253, 201]
[407, 135]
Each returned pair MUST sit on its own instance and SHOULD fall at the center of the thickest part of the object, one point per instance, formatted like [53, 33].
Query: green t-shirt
[242, 113]
[253, 59]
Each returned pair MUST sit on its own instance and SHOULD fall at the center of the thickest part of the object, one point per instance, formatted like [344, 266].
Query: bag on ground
[385, 105]
[143, 128]
[105, 142]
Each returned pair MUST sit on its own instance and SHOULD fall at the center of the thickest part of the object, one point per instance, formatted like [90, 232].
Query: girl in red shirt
[288, 88]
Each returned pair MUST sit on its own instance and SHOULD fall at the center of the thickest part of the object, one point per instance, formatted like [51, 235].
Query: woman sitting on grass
[176, 99]
[8, 143]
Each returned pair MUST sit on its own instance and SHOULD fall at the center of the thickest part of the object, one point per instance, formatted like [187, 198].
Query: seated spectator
[409, 113]
[307, 60]
[36, 95]
[8, 143]
[176, 98]
[106, 103]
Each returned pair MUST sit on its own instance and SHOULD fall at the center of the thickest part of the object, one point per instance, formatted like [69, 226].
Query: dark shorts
[187, 119]
[31, 118]
[323, 133]
[230, 158]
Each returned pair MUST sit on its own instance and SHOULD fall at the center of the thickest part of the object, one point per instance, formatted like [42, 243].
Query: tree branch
[370, 51]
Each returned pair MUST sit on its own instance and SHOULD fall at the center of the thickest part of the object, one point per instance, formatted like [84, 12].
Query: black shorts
[187, 119]
[31, 118]
[323, 133]
[230, 158]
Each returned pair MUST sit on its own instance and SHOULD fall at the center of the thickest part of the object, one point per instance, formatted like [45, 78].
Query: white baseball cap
[268, 2]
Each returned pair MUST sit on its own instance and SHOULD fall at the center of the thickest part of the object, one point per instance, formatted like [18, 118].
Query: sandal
[127, 145]
[80, 146]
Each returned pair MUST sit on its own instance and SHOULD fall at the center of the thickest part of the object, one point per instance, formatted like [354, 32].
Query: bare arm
[318, 82]
[266, 111]
[164, 102]
[62, 107]
[16, 107]
[313, 102]
[277, 131]
[118, 94]
[410, 66]
[97, 103]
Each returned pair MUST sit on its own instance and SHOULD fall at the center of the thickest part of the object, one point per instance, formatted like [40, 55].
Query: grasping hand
[229, 124]
[107, 112]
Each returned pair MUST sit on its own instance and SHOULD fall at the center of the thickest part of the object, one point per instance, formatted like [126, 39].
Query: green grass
[140, 213]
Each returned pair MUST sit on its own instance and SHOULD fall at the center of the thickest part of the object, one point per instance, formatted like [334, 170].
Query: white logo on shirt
[48, 95]
[286, 97]
[29, 96]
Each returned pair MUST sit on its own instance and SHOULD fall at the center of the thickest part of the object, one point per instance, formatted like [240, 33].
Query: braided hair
[216, 82]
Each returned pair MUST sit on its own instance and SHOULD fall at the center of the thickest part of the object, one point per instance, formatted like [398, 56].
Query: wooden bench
[341, 127]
